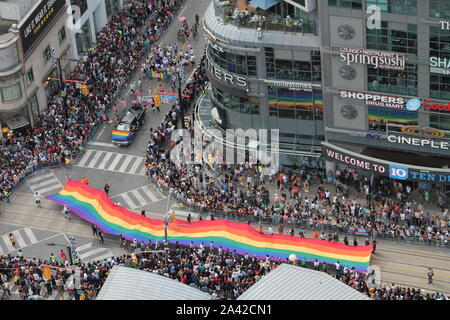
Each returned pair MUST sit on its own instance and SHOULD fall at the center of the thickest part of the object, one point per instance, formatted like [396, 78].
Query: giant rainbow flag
[95, 206]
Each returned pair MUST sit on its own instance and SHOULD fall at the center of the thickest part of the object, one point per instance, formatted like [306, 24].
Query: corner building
[265, 72]
[368, 94]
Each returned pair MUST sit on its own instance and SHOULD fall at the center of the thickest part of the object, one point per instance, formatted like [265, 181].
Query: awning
[17, 122]
[264, 4]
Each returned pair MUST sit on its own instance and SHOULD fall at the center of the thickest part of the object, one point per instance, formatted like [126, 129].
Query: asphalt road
[122, 168]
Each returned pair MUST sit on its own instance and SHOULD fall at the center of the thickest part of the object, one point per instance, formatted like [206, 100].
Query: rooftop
[132, 284]
[288, 282]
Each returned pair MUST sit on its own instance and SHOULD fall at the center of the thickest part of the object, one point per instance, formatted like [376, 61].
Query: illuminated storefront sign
[375, 100]
[421, 142]
[38, 22]
[393, 170]
[227, 77]
[445, 25]
[423, 132]
[379, 59]
[300, 86]
[429, 105]
[439, 65]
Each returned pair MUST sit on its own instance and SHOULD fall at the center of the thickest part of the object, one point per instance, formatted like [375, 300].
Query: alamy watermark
[374, 18]
[233, 146]
[74, 18]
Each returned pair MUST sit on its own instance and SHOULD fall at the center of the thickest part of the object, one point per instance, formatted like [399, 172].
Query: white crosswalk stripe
[88, 253]
[45, 183]
[24, 238]
[139, 197]
[112, 161]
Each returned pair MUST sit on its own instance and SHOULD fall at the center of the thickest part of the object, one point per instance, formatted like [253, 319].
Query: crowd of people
[223, 274]
[65, 126]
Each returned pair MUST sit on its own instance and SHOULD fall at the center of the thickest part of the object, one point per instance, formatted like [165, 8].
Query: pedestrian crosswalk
[24, 238]
[112, 161]
[45, 183]
[89, 253]
[139, 197]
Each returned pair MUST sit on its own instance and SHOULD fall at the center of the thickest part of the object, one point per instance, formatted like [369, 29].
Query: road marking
[179, 16]
[128, 200]
[102, 257]
[116, 161]
[85, 158]
[53, 187]
[103, 144]
[136, 164]
[30, 235]
[41, 177]
[19, 238]
[419, 251]
[139, 198]
[149, 193]
[91, 253]
[97, 156]
[43, 183]
[104, 161]
[8, 244]
[413, 270]
[84, 247]
[125, 164]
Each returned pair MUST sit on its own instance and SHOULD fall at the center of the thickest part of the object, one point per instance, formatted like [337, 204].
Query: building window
[83, 4]
[232, 62]
[62, 34]
[393, 81]
[440, 121]
[292, 69]
[439, 63]
[11, 93]
[30, 76]
[47, 54]
[240, 104]
[34, 106]
[352, 4]
[380, 118]
[293, 104]
[440, 9]
[393, 40]
[408, 7]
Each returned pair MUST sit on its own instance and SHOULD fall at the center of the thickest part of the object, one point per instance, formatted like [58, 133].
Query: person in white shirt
[37, 198]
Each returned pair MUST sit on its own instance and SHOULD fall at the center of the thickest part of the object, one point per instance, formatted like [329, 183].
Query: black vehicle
[134, 118]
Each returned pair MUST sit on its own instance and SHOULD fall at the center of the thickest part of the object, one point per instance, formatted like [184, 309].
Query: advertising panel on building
[393, 170]
[379, 59]
[39, 21]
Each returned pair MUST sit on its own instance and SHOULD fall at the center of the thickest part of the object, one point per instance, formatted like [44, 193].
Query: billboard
[39, 21]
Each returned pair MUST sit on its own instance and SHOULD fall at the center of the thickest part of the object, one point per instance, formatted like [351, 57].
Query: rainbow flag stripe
[94, 206]
[121, 135]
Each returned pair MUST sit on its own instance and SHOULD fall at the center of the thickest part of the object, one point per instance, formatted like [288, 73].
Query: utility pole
[56, 62]
[181, 78]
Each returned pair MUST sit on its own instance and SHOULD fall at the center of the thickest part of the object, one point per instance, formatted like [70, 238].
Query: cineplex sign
[381, 167]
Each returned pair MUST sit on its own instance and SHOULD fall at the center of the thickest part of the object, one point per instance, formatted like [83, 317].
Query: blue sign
[398, 172]
[413, 104]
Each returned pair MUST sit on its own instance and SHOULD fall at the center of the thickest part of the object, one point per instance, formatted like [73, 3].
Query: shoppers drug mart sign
[375, 100]
[378, 59]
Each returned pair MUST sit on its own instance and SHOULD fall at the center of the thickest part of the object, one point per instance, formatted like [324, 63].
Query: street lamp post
[180, 96]
[167, 219]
